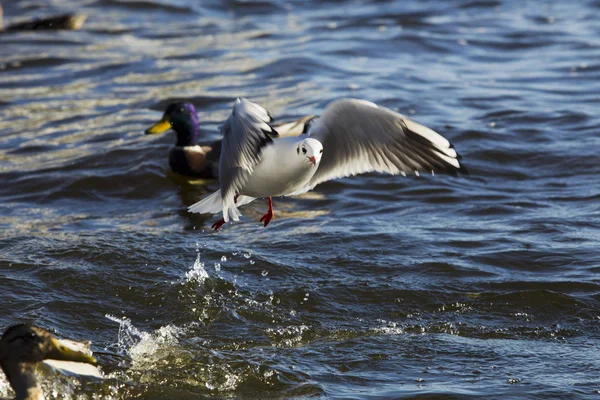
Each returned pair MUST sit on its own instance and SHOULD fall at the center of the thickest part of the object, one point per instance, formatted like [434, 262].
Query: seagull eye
[321, 151]
[304, 150]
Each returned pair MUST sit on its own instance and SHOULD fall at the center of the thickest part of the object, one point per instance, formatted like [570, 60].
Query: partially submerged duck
[202, 161]
[56, 22]
[24, 346]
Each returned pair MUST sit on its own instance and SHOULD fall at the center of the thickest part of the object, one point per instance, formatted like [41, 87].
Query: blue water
[479, 286]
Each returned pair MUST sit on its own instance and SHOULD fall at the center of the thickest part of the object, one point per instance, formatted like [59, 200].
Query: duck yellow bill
[64, 351]
[159, 127]
[76, 21]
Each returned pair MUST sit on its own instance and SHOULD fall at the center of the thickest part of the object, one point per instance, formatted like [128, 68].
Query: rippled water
[369, 287]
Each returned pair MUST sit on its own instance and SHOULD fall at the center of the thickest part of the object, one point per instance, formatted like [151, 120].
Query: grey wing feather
[245, 132]
[358, 137]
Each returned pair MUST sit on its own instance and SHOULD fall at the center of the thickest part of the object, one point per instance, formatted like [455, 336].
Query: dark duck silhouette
[56, 22]
[195, 160]
[24, 346]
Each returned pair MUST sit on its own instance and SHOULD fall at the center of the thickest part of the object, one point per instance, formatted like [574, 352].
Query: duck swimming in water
[187, 157]
[193, 160]
[56, 22]
[24, 346]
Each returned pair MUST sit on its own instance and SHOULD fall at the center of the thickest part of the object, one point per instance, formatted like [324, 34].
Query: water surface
[369, 287]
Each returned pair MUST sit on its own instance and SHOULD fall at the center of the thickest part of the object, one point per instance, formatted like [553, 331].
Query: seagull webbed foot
[269, 215]
[267, 218]
[218, 224]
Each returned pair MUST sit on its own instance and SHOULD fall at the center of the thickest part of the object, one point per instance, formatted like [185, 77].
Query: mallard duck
[188, 157]
[24, 346]
[64, 21]
[202, 161]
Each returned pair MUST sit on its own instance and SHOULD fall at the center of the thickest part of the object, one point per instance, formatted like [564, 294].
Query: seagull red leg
[269, 215]
[218, 224]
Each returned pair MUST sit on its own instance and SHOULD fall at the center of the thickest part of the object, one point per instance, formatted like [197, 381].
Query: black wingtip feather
[308, 123]
[266, 140]
[429, 146]
[463, 170]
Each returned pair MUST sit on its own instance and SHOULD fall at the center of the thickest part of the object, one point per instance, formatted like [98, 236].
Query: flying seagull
[351, 137]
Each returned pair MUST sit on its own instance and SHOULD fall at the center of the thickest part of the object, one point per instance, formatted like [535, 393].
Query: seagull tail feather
[212, 204]
[231, 213]
[230, 209]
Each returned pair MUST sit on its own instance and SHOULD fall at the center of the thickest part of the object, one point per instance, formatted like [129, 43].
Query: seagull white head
[310, 150]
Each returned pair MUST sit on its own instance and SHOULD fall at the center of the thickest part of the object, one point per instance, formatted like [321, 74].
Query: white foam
[5, 389]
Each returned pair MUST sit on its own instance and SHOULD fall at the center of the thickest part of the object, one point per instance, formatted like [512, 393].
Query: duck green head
[183, 119]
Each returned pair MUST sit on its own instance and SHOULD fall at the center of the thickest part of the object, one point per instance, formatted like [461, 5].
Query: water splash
[388, 328]
[197, 273]
[5, 389]
[221, 378]
[145, 348]
[150, 352]
[291, 336]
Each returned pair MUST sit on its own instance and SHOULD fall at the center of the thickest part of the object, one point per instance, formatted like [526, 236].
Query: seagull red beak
[313, 160]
